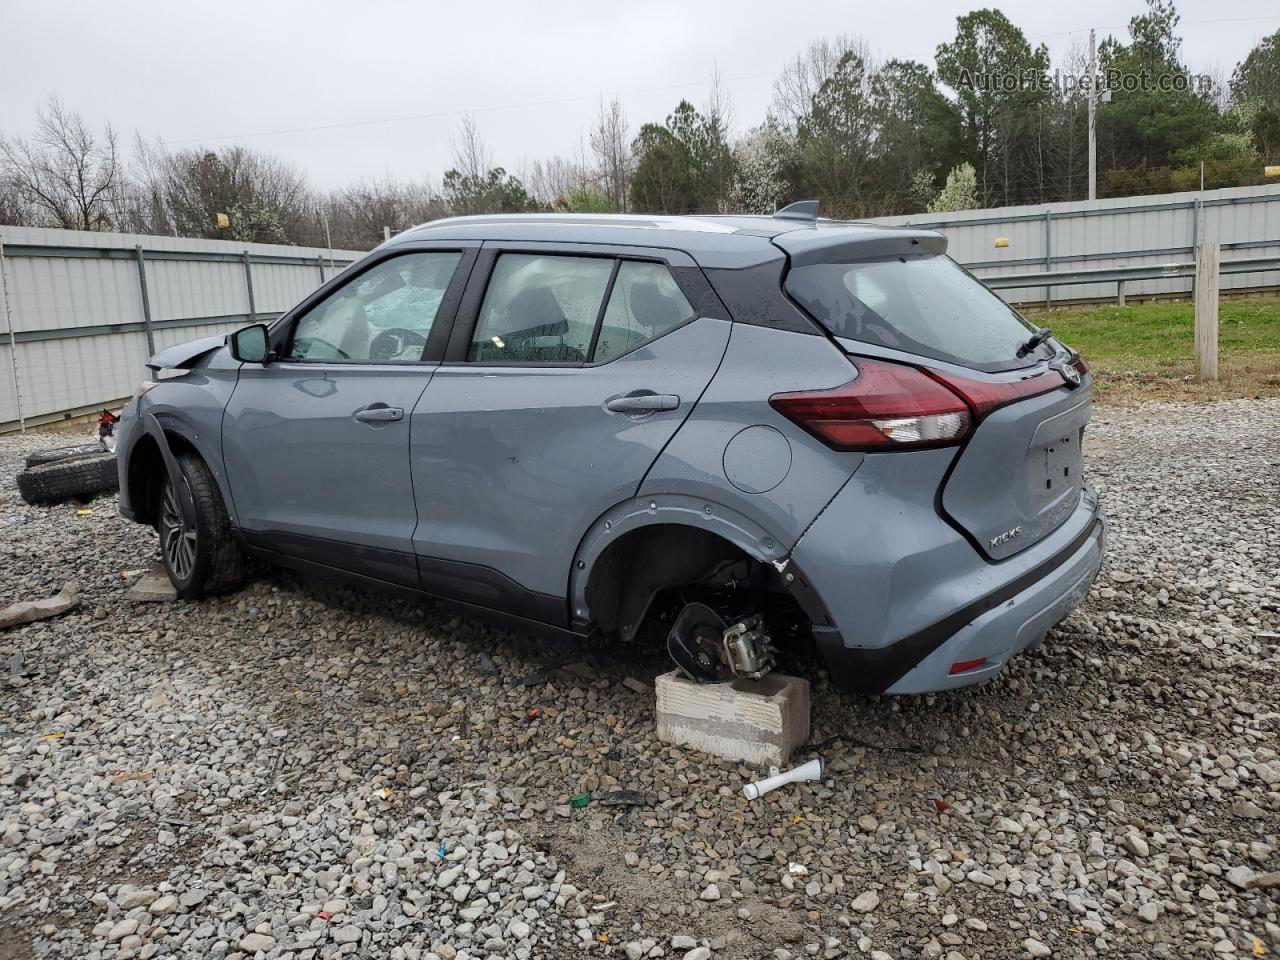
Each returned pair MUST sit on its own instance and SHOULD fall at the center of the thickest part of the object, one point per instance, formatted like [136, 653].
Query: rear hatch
[1020, 472]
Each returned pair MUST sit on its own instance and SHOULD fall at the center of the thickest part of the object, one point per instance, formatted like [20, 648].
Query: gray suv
[728, 434]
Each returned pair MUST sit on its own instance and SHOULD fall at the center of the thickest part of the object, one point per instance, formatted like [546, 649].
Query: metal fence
[81, 312]
[1154, 238]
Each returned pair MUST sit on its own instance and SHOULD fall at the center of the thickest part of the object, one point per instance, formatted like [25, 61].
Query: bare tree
[69, 174]
[805, 74]
[265, 199]
[358, 213]
[471, 155]
[718, 127]
[611, 145]
[552, 181]
[14, 209]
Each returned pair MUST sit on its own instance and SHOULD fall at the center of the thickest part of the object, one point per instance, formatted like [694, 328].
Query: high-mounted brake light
[890, 406]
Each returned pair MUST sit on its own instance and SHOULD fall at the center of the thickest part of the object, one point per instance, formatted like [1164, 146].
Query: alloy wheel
[176, 539]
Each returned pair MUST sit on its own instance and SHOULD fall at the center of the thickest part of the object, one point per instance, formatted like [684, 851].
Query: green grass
[1159, 337]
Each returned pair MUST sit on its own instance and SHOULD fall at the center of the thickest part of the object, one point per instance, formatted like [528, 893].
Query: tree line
[991, 122]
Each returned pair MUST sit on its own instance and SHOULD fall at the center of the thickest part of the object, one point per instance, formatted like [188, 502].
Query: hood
[183, 356]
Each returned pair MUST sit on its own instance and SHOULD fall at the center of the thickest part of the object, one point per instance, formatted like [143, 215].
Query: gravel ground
[299, 771]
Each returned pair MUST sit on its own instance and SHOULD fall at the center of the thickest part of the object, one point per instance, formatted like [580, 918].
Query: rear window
[923, 305]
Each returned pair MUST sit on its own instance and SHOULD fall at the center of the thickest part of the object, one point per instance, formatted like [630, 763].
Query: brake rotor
[696, 644]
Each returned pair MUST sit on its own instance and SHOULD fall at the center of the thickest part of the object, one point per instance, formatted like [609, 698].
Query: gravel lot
[298, 771]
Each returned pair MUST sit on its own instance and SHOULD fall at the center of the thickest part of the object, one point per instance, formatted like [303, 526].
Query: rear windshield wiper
[1033, 341]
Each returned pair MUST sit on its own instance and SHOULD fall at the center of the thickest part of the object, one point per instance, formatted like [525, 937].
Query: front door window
[386, 313]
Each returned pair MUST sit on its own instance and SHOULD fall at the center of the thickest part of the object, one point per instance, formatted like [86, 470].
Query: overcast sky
[364, 89]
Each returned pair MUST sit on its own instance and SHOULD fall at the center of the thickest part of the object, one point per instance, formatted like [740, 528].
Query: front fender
[640, 512]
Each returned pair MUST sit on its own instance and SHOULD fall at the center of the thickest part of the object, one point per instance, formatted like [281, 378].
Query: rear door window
[923, 305]
[540, 309]
[645, 303]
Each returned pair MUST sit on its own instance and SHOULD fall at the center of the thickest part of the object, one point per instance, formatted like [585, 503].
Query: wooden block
[756, 721]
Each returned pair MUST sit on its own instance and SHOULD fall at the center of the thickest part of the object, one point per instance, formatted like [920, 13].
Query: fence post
[1195, 236]
[1207, 259]
[146, 300]
[320, 264]
[1120, 293]
[248, 286]
[13, 344]
[1048, 254]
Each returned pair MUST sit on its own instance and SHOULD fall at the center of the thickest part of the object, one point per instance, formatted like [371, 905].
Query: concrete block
[756, 721]
[152, 587]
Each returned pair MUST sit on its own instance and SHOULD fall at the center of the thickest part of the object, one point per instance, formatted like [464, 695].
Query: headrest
[535, 312]
[651, 307]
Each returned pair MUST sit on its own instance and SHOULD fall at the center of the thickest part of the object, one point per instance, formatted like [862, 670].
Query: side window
[540, 309]
[384, 314]
[645, 303]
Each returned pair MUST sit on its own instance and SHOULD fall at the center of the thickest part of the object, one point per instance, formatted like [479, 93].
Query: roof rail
[803, 210]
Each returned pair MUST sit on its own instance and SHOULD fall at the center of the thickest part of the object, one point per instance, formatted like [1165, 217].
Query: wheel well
[643, 564]
[147, 473]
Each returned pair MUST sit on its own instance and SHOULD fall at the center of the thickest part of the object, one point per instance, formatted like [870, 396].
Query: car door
[316, 441]
[569, 369]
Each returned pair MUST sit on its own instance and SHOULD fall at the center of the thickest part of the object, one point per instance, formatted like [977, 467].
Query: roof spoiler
[805, 211]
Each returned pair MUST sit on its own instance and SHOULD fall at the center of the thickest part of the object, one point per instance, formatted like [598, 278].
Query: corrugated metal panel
[1127, 231]
[68, 288]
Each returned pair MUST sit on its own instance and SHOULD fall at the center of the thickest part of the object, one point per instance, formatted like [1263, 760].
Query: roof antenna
[803, 210]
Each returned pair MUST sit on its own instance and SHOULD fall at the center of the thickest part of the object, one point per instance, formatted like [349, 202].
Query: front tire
[203, 559]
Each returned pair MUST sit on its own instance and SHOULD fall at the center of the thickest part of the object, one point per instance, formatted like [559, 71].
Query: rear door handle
[643, 403]
[379, 413]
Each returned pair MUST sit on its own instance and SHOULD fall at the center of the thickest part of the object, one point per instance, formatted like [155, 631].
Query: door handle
[376, 413]
[643, 403]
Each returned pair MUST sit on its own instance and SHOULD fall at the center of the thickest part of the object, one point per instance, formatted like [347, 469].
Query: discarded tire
[75, 477]
[62, 453]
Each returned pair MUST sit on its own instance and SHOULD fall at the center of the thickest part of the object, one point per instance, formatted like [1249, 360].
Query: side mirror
[249, 344]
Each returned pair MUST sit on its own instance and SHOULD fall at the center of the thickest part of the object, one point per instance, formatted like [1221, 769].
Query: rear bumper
[897, 598]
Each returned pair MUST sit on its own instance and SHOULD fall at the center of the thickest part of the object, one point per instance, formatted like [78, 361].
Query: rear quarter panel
[737, 451]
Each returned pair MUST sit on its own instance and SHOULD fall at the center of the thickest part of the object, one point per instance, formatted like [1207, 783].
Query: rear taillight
[984, 396]
[890, 406]
[1081, 367]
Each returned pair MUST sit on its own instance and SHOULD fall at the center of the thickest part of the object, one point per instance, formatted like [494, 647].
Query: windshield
[924, 305]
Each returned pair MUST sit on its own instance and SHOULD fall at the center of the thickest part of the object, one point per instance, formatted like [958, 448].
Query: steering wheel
[301, 348]
[392, 343]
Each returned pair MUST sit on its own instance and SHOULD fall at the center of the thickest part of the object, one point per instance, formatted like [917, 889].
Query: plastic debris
[84, 512]
[578, 801]
[623, 798]
[806, 771]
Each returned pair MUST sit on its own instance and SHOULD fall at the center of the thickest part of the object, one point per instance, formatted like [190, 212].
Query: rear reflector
[964, 666]
[890, 406]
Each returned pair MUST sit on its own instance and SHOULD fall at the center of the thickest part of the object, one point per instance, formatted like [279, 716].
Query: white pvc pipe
[808, 771]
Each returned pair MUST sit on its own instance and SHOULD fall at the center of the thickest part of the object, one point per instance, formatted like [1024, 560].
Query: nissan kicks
[725, 434]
